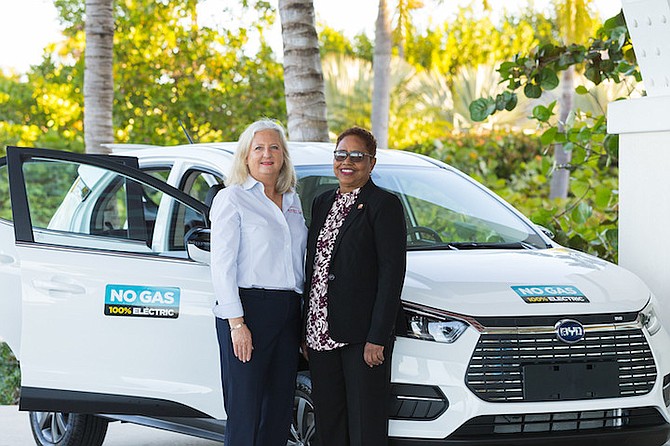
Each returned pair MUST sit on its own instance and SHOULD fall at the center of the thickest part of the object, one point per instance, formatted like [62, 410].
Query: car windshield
[443, 209]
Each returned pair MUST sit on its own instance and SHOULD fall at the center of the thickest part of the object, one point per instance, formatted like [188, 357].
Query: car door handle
[56, 285]
[6, 260]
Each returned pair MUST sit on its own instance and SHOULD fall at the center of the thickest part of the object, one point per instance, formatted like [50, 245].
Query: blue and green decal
[142, 301]
[538, 294]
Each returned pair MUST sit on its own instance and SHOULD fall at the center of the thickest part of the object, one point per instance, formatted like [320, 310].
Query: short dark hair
[365, 135]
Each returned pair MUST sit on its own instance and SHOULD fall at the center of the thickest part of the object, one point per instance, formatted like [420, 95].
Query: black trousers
[351, 399]
[258, 394]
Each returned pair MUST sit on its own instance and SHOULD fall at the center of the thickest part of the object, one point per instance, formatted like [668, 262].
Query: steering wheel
[415, 232]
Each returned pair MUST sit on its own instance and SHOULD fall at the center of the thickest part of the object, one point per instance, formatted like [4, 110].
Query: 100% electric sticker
[142, 301]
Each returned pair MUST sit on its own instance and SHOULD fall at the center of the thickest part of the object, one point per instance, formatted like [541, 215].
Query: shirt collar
[250, 183]
[353, 192]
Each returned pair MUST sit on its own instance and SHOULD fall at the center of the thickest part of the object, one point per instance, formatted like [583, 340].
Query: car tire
[303, 425]
[67, 429]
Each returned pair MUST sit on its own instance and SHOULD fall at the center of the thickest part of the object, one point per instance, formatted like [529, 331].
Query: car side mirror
[546, 231]
[197, 241]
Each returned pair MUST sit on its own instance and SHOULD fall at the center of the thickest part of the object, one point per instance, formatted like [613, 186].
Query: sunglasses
[356, 156]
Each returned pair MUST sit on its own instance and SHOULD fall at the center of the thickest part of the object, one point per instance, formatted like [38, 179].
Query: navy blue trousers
[258, 394]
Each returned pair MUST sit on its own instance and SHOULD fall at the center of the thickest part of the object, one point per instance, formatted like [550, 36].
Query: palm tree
[416, 109]
[575, 26]
[404, 26]
[303, 77]
[98, 75]
[381, 63]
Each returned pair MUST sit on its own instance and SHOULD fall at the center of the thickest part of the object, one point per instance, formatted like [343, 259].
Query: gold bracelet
[240, 325]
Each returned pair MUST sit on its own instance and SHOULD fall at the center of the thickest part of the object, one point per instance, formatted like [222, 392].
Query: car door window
[196, 183]
[151, 199]
[106, 209]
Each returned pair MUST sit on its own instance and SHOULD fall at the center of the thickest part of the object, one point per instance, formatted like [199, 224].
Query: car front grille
[496, 369]
[562, 422]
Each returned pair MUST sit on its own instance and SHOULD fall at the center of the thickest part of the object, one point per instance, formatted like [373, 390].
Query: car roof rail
[118, 148]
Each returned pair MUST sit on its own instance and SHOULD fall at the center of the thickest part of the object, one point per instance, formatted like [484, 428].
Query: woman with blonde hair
[257, 248]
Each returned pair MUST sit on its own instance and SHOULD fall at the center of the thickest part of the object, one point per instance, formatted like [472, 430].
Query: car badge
[569, 331]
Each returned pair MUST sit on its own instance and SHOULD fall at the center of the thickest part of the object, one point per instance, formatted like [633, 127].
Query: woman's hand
[241, 338]
[373, 354]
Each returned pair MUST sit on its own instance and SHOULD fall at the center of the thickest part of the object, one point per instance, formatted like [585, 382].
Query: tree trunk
[303, 76]
[98, 75]
[560, 179]
[381, 62]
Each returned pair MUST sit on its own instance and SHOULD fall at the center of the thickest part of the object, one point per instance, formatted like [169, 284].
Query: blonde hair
[240, 171]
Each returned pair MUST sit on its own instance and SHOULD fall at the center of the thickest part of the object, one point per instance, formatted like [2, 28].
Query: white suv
[505, 338]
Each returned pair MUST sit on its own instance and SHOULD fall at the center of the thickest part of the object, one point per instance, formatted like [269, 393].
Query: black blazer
[367, 267]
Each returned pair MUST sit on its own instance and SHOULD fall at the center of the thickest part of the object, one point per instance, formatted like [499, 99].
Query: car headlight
[649, 317]
[431, 325]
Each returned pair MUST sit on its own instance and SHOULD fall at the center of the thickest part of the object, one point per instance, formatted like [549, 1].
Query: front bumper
[638, 416]
[645, 436]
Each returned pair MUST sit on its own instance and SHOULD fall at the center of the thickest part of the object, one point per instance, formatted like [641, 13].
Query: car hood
[492, 282]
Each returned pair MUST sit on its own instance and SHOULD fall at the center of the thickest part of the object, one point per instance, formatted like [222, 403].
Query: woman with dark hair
[257, 250]
[354, 274]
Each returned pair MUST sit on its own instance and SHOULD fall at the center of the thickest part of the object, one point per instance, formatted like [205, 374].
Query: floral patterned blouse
[318, 337]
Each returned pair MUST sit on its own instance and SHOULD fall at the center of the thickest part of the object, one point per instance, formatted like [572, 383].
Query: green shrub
[10, 376]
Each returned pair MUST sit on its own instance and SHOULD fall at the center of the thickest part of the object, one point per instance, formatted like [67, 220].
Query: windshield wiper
[462, 246]
[490, 245]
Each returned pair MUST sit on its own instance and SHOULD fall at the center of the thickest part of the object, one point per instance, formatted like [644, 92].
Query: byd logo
[569, 331]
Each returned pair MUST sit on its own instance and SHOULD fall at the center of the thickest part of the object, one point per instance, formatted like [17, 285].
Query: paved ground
[15, 431]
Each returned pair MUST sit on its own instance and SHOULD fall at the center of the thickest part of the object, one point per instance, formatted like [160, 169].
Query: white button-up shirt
[254, 244]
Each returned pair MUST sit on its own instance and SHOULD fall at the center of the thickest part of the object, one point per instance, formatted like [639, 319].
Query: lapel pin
[360, 206]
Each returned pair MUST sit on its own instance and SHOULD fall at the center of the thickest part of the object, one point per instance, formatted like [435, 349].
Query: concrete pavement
[15, 431]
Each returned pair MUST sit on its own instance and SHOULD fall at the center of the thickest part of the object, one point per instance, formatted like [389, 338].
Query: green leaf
[611, 144]
[582, 212]
[548, 136]
[546, 166]
[482, 108]
[532, 91]
[579, 187]
[584, 135]
[560, 138]
[511, 102]
[578, 155]
[603, 196]
[542, 113]
[594, 75]
[581, 90]
[541, 216]
[548, 79]
[504, 99]
[505, 69]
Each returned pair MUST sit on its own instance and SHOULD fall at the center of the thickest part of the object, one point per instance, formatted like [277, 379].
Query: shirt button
[331, 276]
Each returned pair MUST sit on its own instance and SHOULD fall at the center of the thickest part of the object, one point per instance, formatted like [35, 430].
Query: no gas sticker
[536, 294]
[142, 301]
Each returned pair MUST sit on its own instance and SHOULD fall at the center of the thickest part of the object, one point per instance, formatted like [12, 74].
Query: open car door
[112, 321]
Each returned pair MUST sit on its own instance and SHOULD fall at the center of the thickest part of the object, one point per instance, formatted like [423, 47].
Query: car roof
[302, 153]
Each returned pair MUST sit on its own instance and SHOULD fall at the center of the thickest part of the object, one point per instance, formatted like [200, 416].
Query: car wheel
[67, 429]
[303, 426]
